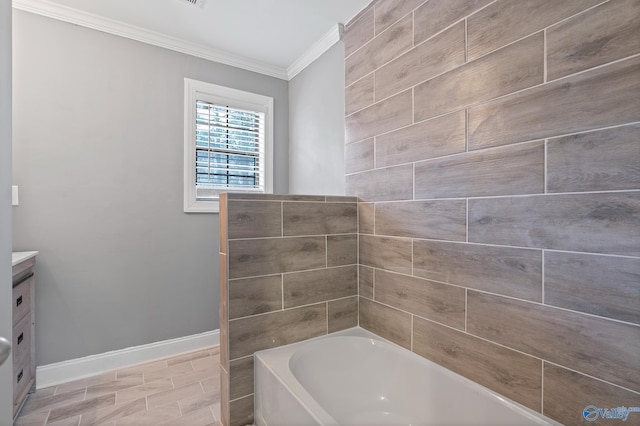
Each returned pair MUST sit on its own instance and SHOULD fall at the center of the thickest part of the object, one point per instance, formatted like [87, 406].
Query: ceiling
[272, 34]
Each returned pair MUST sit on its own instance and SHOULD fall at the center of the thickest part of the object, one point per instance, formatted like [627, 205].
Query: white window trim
[198, 90]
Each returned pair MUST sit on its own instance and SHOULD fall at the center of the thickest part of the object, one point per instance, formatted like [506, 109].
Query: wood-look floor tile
[206, 364]
[73, 421]
[112, 413]
[141, 368]
[212, 384]
[51, 402]
[37, 418]
[77, 408]
[162, 398]
[85, 383]
[215, 409]
[201, 417]
[44, 393]
[151, 417]
[126, 404]
[189, 357]
[113, 386]
[184, 367]
[212, 371]
[150, 388]
[196, 402]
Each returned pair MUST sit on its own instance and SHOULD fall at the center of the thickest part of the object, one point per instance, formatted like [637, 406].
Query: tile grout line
[542, 387]
[466, 41]
[544, 56]
[466, 308]
[543, 281]
[546, 165]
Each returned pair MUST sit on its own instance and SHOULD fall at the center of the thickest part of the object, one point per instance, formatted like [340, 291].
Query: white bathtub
[355, 377]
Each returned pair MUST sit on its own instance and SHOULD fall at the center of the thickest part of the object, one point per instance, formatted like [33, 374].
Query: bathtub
[355, 377]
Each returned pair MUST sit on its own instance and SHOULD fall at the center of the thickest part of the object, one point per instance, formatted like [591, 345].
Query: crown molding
[318, 48]
[96, 22]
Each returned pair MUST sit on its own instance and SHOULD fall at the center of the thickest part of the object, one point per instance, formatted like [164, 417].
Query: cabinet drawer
[22, 299]
[22, 380]
[22, 340]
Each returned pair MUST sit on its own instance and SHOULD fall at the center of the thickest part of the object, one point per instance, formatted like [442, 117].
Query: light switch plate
[14, 195]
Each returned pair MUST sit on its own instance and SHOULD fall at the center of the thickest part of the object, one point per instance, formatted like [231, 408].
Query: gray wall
[98, 143]
[316, 126]
[6, 383]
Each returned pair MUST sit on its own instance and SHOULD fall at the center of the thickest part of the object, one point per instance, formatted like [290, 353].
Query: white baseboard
[80, 368]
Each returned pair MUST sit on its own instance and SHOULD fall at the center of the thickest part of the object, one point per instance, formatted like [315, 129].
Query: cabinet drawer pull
[20, 338]
[20, 374]
[18, 301]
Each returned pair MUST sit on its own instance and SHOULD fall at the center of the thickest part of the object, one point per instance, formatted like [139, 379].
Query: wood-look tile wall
[289, 272]
[495, 150]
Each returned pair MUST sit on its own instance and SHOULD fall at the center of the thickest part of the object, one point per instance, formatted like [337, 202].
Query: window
[227, 144]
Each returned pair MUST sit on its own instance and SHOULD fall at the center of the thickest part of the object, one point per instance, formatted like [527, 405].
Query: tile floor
[183, 390]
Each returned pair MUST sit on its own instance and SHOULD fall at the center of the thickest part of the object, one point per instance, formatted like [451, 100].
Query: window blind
[230, 147]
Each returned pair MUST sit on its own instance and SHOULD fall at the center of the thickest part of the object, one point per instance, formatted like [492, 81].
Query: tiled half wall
[495, 150]
[288, 273]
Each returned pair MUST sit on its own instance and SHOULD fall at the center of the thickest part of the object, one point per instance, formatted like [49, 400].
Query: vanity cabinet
[23, 344]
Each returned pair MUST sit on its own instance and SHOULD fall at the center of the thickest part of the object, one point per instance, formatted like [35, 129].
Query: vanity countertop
[21, 256]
